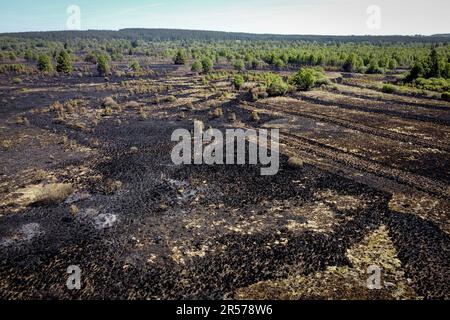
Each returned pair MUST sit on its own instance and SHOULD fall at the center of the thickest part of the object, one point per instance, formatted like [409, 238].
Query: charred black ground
[373, 190]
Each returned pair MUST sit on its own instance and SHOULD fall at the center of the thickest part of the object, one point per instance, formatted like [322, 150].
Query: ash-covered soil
[90, 182]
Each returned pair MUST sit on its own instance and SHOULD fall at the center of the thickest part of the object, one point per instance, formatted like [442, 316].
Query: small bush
[388, 88]
[208, 65]
[103, 65]
[171, 99]
[374, 69]
[295, 163]
[12, 56]
[180, 57]
[433, 84]
[16, 81]
[64, 62]
[277, 88]
[197, 67]
[17, 68]
[305, 79]
[44, 63]
[323, 82]
[239, 65]
[238, 81]
[445, 96]
[135, 66]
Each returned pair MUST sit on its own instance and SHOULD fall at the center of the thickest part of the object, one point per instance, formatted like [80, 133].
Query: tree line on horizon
[424, 60]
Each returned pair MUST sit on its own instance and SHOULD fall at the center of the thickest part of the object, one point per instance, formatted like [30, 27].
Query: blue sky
[339, 17]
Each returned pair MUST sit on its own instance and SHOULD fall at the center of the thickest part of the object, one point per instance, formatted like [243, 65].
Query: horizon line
[233, 32]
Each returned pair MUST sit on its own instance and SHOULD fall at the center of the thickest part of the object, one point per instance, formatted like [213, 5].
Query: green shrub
[103, 65]
[432, 84]
[197, 67]
[239, 65]
[350, 64]
[44, 63]
[374, 68]
[323, 82]
[277, 88]
[388, 88]
[305, 79]
[17, 68]
[64, 62]
[135, 66]
[416, 71]
[29, 55]
[238, 81]
[180, 57]
[392, 64]
[207, 65]
[278, 63]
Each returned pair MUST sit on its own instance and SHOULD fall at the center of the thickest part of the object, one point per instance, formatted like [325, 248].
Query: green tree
[279, 63]
[44, 63]
[103, 67]
[238, 81]
[446, 71]
[28, 55]
[374, 67]
[350, 63]
[64, 62]
[239, 65]
[305, 79]
[207, 65]
[416, 71]
[197, 67]
[434, 65]
[277, 87]
[392, 64]
[180, 57]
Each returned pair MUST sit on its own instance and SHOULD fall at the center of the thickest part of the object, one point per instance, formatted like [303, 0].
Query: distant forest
[193, 35]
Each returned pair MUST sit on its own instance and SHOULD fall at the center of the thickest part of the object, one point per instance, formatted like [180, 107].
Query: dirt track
[374, 190]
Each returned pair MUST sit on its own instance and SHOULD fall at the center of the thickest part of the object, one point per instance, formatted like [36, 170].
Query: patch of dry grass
[295, 163]
[43, 194]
